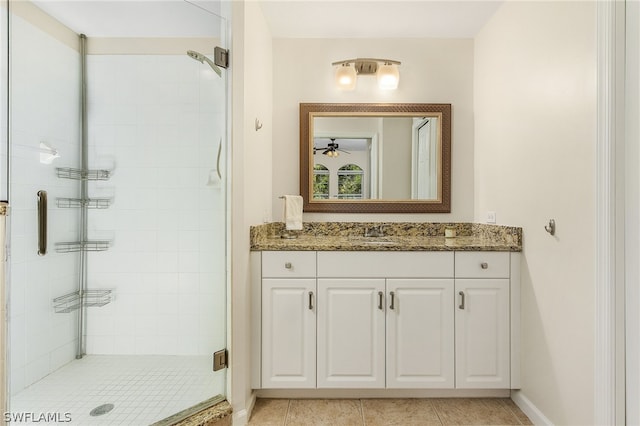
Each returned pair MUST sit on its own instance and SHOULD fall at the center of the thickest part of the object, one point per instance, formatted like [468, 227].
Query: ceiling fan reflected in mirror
[332, 149]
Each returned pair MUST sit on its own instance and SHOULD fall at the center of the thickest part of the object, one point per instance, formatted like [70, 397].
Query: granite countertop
[401, 236]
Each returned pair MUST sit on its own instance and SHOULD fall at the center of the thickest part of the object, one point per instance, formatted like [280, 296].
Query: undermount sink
[380, 243]
[377, 241]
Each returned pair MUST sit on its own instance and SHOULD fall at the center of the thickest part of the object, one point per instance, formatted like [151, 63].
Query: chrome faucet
[375, 231]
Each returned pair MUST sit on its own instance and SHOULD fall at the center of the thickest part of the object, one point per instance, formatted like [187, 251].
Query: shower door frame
[4, 280]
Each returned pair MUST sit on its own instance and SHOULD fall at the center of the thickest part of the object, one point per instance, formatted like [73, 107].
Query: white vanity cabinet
[394, 333]
[288, 320]
[482, 320]
[386, 319]
[351, 333]
[420, 333]
[482, 334]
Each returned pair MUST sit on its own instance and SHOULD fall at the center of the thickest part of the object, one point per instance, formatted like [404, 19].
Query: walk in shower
[118, 228]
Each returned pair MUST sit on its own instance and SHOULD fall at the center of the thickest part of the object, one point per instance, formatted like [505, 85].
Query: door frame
[610, 204]
[631, 293]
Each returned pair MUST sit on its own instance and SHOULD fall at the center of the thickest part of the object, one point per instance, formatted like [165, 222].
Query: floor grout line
[435, 409]
[286, 415]
[364, 422]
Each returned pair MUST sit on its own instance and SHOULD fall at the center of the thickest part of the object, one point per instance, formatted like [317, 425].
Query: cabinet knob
[484, 265]
[288, 265]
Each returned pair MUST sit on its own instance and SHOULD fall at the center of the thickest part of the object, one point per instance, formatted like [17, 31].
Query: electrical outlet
[491, 217]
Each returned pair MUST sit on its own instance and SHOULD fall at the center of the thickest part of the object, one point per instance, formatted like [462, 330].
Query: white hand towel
[293, 212]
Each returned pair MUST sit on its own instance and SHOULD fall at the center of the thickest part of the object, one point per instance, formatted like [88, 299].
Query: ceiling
[286, 19]
[348, 144]
[377, 19]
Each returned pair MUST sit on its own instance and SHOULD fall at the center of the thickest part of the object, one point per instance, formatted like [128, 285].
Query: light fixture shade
[388, 76]
[346, 77]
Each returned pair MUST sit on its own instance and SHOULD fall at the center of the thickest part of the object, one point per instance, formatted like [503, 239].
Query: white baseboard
[381, 393]
[251, 404]
[240, 418]
[536, 416]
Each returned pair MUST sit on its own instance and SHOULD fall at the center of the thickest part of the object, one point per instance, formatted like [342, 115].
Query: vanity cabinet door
[420, 333]
[351, 333]
[288, 333]
[482, 333]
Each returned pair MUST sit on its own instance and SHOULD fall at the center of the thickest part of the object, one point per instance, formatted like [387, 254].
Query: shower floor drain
[102, 409]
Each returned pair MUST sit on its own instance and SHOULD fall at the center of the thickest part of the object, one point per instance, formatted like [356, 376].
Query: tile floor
[143, 389]
[401, 412]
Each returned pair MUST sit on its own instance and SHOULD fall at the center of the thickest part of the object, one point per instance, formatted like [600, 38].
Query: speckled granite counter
[398, 236]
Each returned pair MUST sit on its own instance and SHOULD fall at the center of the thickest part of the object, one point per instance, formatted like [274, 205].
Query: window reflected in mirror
[320, 182]
[350, 182]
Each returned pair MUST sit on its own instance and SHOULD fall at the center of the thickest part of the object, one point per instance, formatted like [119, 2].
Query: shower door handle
[42, 223]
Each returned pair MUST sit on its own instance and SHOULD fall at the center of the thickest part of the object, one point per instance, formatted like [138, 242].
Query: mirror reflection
[375, 158]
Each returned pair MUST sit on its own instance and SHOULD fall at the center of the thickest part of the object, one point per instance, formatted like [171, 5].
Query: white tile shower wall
[157, 122]
[4, 115]
[45, 108]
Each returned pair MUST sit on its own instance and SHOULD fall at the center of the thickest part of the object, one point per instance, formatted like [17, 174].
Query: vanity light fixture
[346, 77]
[386, 70]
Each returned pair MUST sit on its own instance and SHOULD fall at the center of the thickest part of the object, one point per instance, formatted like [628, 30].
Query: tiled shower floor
[143, 389]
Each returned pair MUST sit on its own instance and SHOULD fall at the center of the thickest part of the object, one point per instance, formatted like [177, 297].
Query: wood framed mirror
[375, 158]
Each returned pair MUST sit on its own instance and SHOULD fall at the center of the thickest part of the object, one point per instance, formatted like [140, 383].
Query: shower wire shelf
[75, 246]
[73, 301]
[81, 174]
[91, 203]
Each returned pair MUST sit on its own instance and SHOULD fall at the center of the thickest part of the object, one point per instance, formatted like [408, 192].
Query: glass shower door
[152, 193]
[157, 119]
[44, 134]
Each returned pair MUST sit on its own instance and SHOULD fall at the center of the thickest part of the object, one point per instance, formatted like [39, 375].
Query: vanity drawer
[483, 264]
[288, 264]
[385, 264]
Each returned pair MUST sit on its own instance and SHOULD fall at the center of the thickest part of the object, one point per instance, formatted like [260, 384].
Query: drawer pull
[461, 306]
[311, 301]
[393, 300]
[484, 265]
[380, 296]
[288, 265]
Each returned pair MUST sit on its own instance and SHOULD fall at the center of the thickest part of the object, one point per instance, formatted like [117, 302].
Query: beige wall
[432, 71]
[150, 45]
[535, 132]
[396, 166]
[251, 179]
[35, 16]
